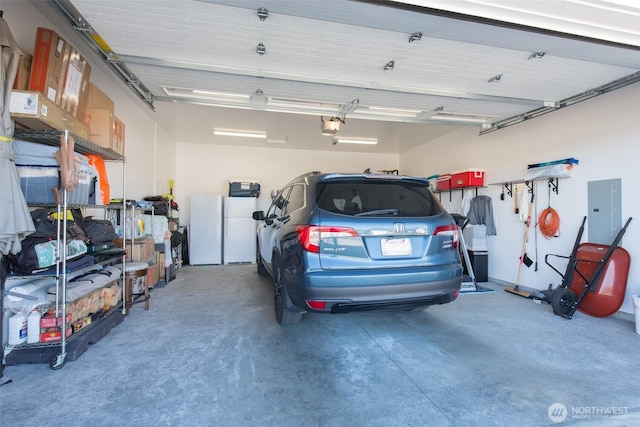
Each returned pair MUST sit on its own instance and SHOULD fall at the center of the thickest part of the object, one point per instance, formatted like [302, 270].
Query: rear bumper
[346, 291]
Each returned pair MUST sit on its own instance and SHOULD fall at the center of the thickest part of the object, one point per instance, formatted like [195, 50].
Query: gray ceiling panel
[335, 51]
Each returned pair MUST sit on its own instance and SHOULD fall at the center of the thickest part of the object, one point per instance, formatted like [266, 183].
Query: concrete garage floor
[209, 353]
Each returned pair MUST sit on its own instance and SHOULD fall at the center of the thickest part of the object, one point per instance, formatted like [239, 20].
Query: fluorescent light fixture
[349, 140]
[304, 106]
[388, 111]
[241, 133]
[461, 118]
[208, 95]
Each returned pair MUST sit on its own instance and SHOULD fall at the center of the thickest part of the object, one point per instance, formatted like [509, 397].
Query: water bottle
[33, 327]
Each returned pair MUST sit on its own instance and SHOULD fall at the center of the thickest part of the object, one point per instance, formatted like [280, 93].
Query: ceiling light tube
[370, 141]
[241, 133]
[459, 119]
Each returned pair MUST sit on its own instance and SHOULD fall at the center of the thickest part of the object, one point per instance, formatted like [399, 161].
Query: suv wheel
[281, 299]
[262, 270]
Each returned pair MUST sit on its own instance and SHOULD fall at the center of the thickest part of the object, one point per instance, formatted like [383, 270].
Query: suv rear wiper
[392, 212]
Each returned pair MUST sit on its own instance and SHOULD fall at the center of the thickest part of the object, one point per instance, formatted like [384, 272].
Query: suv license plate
[395, 247]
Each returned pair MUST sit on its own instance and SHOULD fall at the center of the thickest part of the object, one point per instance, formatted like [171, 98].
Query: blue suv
[335, 243]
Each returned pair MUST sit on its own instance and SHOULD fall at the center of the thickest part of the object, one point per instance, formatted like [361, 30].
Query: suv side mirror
[258, 215]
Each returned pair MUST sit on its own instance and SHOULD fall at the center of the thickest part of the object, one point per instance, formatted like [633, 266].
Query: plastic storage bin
[467, 178]
[444, 182]
[37, 183]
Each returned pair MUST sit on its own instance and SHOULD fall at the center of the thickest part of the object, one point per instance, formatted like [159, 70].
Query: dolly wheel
[562, 300]
[55, 365]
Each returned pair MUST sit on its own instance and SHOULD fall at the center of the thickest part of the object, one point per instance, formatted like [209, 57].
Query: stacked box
[76, 83]
[153, 275]
[24, 71]
[53, 334]
[99, 117]
[35, 111]
[49, 65]
[118, 136]
[142, 250]
[60, 73]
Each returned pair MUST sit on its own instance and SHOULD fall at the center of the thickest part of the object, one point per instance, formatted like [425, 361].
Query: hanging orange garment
[98, 163]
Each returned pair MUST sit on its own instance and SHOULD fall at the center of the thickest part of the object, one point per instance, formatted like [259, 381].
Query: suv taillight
[448, 230]
[309, 235]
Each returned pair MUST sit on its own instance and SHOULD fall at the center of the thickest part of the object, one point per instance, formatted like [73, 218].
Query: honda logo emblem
[398, 227]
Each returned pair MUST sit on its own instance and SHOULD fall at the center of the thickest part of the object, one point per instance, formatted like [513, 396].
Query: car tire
[262, 270]
[562, 300]
[281, 299]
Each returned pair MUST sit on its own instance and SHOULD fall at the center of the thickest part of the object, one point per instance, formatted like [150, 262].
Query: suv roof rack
[306, 174]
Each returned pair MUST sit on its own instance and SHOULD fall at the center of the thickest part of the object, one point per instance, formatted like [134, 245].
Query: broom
[524, 259]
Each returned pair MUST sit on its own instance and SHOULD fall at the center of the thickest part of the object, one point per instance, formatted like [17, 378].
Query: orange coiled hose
[549, 222]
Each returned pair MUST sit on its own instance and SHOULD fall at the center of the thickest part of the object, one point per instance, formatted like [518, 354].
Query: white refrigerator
[239, 230]
[205, 229]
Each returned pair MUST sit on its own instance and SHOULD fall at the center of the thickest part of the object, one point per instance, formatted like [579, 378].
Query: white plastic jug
[33, 327]
[17, 329]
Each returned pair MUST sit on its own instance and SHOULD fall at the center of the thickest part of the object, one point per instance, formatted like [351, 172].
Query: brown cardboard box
[49, 65]
[76, 84]
[153, 275]
[100, 122]
[35, 111]
[118, 136]
[96, 98]
[24, 71]
[81, 129]
[160, 263]
[99, 117]
[143, 249]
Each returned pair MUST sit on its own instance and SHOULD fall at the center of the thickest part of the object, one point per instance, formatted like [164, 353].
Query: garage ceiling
[423, 63]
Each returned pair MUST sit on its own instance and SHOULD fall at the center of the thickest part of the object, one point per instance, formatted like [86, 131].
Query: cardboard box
[80, 129]
[153, 275]
[76, 85]
[50, 321]
[99, 117]
[53, 334]
[100, 123]
[118, 136]
[143, 249]
[35, 111]
[96, 98]
[81, 323]
[49, 65]
[24, 71]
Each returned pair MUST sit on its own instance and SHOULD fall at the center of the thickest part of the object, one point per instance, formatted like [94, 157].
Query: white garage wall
[602, 133]
[207, 169]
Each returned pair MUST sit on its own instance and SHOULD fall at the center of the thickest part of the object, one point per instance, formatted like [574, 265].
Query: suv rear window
[377, 198]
